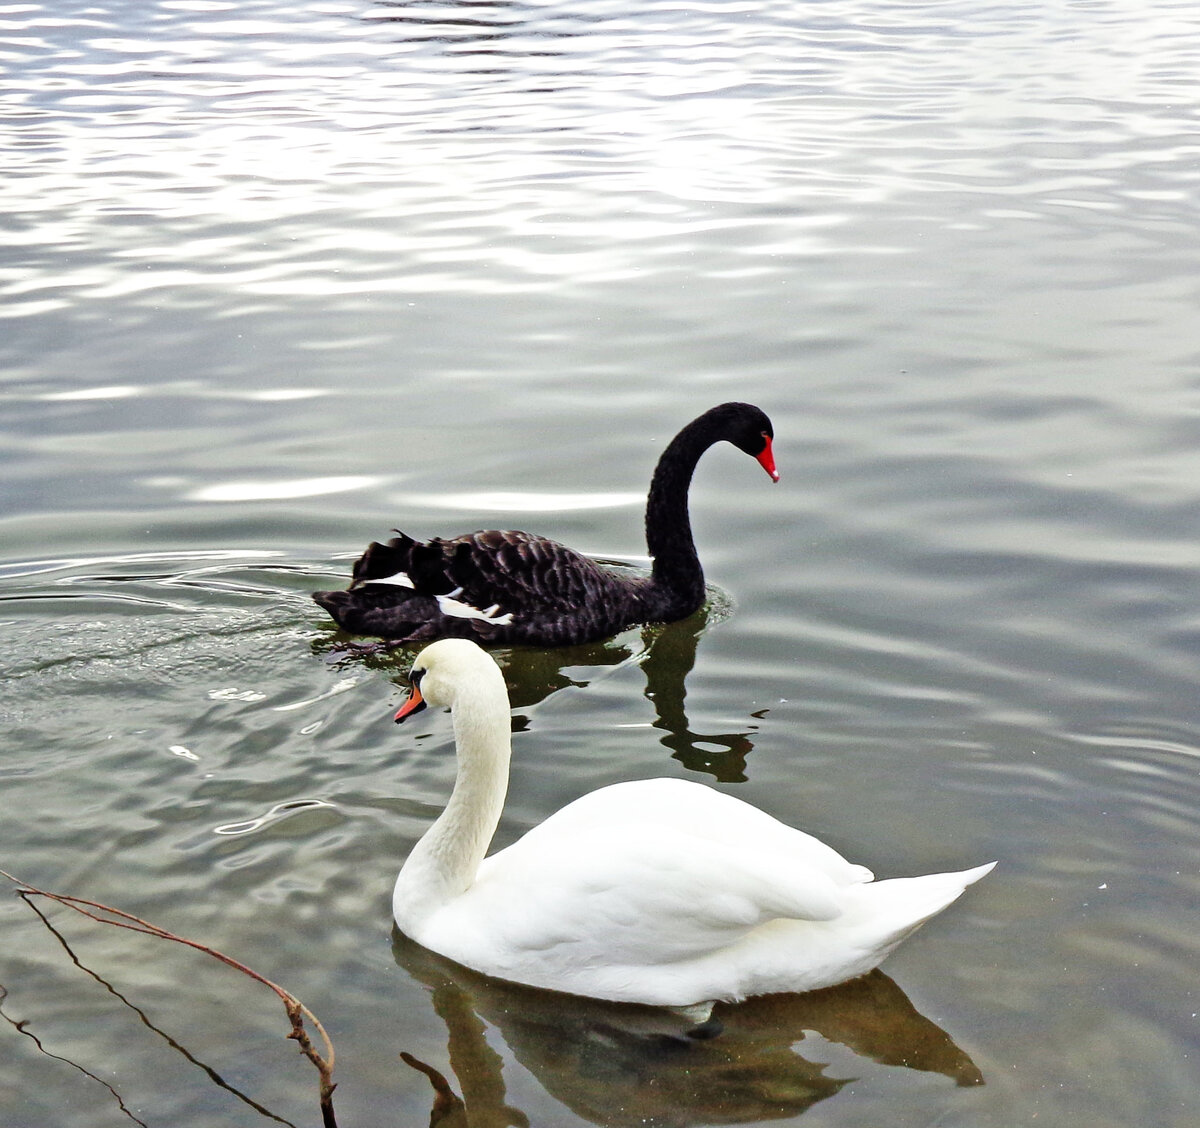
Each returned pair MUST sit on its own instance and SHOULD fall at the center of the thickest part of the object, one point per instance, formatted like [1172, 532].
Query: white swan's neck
[444, 862]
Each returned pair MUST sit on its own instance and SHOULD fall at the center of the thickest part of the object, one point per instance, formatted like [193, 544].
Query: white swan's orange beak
[414, 704]
[766, 458]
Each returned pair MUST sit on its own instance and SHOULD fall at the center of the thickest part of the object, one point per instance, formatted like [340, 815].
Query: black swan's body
[512, 587]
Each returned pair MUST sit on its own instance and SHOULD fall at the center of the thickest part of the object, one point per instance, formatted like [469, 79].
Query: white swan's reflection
[617, 1065]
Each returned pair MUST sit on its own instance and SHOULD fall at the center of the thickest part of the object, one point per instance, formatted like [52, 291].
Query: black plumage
[514, 587]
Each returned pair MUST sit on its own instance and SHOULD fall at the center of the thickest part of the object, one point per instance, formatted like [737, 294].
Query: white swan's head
[447, 669]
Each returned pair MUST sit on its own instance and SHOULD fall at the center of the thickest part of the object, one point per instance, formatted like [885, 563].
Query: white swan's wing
[642, 899]
[685, 809]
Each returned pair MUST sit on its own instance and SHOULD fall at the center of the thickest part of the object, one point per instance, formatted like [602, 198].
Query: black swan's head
[748, 428]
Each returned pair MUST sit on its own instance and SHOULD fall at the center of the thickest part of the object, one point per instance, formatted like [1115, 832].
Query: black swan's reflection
[616, 1064]
[665, 652]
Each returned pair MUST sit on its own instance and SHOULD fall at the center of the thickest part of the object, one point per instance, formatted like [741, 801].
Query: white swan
[657, 891]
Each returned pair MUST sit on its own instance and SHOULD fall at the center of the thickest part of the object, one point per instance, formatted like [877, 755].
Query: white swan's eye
[416, 674]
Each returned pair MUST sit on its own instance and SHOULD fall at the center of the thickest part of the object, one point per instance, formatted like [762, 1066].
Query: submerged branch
[21, 1026]
[445, 1099]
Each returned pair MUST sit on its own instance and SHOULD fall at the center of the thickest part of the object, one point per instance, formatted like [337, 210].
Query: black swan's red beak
[414, 704]
[766, 458]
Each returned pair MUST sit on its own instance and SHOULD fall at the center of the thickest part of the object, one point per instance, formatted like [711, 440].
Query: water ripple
[275, 814]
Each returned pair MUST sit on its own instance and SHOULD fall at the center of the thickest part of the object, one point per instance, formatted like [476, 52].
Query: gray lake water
[279, 277]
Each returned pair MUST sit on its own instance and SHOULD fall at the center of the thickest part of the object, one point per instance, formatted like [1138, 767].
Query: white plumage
[657, 891]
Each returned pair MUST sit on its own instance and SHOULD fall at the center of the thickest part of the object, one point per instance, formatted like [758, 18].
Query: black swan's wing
[494, 585]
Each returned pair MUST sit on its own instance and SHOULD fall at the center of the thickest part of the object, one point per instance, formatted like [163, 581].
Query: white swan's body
[657, 891]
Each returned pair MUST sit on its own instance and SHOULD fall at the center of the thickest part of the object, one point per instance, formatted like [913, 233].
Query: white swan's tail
[886, 912]
[803, 955]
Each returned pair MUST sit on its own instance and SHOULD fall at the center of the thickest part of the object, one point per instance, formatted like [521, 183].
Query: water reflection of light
[38, 567]
[277, 395]
[524, 502]
[274, 491]
[340, 687]
[128, 391]
[232, 693]
[122, 391]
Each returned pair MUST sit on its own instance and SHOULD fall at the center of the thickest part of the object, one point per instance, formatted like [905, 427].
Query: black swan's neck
[677, 580]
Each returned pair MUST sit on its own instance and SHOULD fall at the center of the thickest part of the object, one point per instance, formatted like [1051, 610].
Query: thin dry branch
[213, 1075]
[296, 1010]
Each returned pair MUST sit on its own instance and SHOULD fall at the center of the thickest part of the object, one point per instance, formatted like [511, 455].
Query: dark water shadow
[665, 652]
[620, 1065]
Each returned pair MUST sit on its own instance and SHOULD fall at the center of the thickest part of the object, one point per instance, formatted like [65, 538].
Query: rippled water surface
[277, 278]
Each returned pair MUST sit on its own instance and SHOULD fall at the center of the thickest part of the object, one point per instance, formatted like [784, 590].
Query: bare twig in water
[21, 1027]
[212, 1073]
[296, 1010]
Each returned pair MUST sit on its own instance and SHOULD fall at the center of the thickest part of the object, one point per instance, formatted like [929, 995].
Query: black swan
[511, 587]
